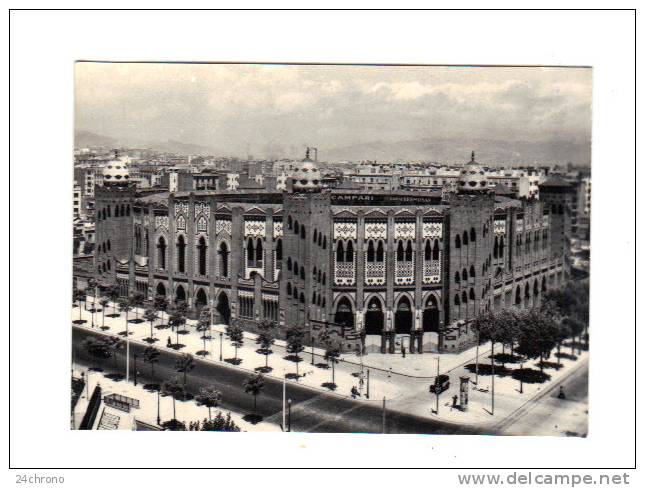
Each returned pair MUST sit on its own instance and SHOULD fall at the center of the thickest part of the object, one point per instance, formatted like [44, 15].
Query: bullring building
[389, 269]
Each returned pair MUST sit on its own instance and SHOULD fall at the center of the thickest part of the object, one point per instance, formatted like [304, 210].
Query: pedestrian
[454, 402]
[354, 392]
[561, 394]
[403, 351]
[168, 342]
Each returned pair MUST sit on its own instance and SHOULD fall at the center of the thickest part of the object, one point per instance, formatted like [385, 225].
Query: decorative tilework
[432, 271]
[404, 272]
[405, 230]
[499, 227]
[432, 230]
[181, 207]
[254, 228]
[202, 225]
[222, 225]
[202, 208]
[345, 230]
[374, 272]
[181, 223]
[375, 230]
[161, 221]
[277, 229]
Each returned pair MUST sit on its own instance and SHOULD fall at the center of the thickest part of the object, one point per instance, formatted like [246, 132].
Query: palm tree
[254, 385]
[176, 390]
[209, 397]
[151, 356]
[184, 364]
[266, 338]
[150, 314]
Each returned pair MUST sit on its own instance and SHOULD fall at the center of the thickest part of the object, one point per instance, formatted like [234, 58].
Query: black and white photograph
[331, 248]
[256, 247]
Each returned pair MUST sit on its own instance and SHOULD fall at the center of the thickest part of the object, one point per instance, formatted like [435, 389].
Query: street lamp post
[312, 351]
[135, 369]
[158, 405]
[383, 427]
[221, 338]
[367, 393]
[492, 370]
[436, 385]
[289, 417]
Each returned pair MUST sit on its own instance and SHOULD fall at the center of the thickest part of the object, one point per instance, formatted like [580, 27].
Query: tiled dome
[472, 177]
[306, 176]
[116, 172]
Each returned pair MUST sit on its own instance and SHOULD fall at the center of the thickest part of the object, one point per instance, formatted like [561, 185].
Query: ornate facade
[392, 268]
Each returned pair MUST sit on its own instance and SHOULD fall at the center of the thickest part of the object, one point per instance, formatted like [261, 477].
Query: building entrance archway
[431, 315]
[180, 294]
[161, 289]
[344, 313]
[374, 317]
[201, 300]
[403, 316]
[223, 309]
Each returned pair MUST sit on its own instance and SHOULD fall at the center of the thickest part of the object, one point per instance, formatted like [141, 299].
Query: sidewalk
[405, 387]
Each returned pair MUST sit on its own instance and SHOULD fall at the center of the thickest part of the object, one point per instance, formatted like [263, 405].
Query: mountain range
[448, 150]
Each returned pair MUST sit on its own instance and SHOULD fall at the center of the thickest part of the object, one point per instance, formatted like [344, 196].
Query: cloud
[273, 107]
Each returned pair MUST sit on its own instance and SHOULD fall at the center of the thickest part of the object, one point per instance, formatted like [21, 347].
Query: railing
[92, 410]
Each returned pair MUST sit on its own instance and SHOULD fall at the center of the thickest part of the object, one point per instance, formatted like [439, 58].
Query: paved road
[312, 410]
[550, 415]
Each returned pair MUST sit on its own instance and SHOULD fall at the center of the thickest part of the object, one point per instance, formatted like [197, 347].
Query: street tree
[220, 423]
[332, 353]
[184, 365]
[113, 294]
[236, 335]
[266, 339]
[539, 335]
[203, 326]
[161, 305]
[78, 296]
[253, 385]
[151, 356]
[137, 300]
[104, 301]
[150, 315]
[176, 319]
[176, 390]
[295, 342]
[125, 305]
[208, 397]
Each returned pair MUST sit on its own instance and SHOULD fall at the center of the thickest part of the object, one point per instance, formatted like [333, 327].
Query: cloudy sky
[279, 109]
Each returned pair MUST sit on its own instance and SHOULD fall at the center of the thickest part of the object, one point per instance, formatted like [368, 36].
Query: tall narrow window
[457, 241]
[258, 253]
[223, 260]
[340, 252]
[399, 252]
[278, 251]
[349, 253]
[370, 252]
[495, 248]
[181, 254]
[472, 234]
[427, 253]
[465, 238]
[408, 252]
[435, 250]
[161, 253]
[501, 247]
[201, 251]
[379, 252]
[250, 253]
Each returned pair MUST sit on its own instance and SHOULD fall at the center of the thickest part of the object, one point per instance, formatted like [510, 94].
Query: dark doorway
[431, 315]
[223, 309]
[161, 290]
[180, 295]
[374, 317]
[200, 299]
[344, 314]
[403, 317]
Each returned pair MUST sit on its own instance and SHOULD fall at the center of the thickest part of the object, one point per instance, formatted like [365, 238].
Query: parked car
[441, 384]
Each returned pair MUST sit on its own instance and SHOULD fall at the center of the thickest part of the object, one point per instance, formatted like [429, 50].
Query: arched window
[181, 254]
[464, 274]
[201, 253]
[109, 211]
[258, 253]
[501, 247]
[464, 297]
[223, 260]
[303, 234]
[122, 210]
[302, 297]
[295, 293]
[535, 288]
[109, 265]
[161, 253]
[527, 292]
[278, 250]
[518, 296]
[472, 234]
[349, 252]
[457, 277]
[302, 273]
[457, 241]
[288, 288]
[371, 255]
[315, 235]
[399, 252]
[127, 210]
[324, 280]
[116, 211]
[465, 238]
[472, 271]
[296, 228]
[408, 251]
[427, 252]
[295, 268]
[319, 276]
[379, 252]
[471, 294]
[289, 223]
[457, 300]
[250, 252]
[435, 250]
[340, 252]
[109, 245]
[325, 242]
[483, 268]
[495, 248]
[320, 240]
